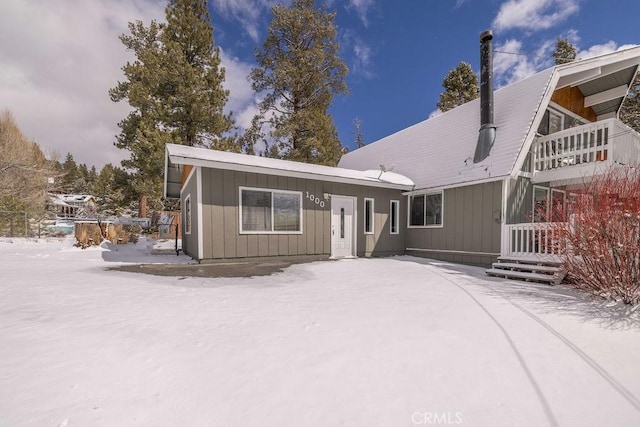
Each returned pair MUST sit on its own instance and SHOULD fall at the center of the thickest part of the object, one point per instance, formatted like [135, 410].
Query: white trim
[431, 190]
[607, 95]
[560, 109]
[504, 238]
[272, 191]
[397, 216]
[451, 251]
[373, 216]
[200, 219]
[332, 174]
[535, 124]
[441, 225]
[533, 203]
[188, 214]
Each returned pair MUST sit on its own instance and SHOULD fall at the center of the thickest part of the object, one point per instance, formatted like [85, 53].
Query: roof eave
[186, 160]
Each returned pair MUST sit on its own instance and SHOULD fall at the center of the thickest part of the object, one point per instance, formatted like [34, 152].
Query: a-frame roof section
[438, 152]
[177, 155]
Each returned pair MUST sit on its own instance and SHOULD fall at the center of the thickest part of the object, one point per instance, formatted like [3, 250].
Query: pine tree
[70, 174]
[357, 129]
[175, 89]
[565, 52]
[460, 86]
[630, 111]
[299, 72]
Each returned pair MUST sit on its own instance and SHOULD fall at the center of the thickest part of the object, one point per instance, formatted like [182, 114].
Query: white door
[342, 228]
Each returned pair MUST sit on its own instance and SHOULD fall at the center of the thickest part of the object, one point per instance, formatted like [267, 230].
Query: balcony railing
[608, 141]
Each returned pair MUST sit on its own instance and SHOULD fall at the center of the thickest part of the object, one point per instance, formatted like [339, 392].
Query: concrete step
[535, 268]
[551, 279]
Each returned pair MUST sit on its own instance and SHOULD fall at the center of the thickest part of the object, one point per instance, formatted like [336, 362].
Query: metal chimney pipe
[487, 134]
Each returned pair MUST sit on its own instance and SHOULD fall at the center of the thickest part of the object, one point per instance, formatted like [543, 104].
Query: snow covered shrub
[603, 236]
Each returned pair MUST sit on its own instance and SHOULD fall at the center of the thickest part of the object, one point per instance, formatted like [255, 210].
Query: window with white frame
[425, 210]
[394, 210]
[187, 214]
[264, 211]
[368, 216]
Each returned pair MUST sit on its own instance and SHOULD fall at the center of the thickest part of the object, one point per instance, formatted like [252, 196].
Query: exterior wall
[220, 218]
[519, 202]
[573, 100]
[471, 227]
[190, 241]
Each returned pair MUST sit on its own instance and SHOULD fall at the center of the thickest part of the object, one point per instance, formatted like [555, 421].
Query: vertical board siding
[469, 224]
[190, 241]
[222, 238]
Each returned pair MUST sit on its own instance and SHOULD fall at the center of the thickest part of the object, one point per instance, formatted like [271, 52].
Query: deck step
[536, 260]
[523, 275]
[526, 267]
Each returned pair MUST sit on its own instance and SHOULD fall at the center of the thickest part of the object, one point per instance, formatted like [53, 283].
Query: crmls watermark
[437, 418]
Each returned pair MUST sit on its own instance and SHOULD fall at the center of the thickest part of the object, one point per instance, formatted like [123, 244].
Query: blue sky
[55, 75]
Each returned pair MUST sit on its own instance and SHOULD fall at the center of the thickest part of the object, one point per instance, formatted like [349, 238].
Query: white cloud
[247, 12]
[534, 15]
[241, 97]
[362, 8]
[512, 64]
[601, 49]
[59, 60]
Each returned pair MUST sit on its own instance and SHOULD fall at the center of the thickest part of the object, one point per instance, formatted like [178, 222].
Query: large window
[425, 210]
[368, 216]
[270, 211]
[187, 214]
[393, 217]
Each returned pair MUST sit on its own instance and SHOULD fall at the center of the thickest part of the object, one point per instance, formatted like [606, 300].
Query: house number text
[315, 199]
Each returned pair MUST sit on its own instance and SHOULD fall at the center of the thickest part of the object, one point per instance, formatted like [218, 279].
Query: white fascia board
[533, 128]
[283, 172]
[200, 219]
[607, 95]
[451, 186]
[166, 170]
[582, 72]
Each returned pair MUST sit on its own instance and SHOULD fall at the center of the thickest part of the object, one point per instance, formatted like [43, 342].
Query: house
[73, 205]
[466, 185]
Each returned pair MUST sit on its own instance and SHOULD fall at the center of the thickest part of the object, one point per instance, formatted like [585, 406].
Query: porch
[584, 150]
[531, 252]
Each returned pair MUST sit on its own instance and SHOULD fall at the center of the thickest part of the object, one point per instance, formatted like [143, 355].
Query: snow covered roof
[438, 152]
[184, 155]
[65, 199]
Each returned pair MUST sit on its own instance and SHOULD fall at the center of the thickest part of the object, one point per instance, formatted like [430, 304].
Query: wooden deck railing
[540, 238]
[603, 141]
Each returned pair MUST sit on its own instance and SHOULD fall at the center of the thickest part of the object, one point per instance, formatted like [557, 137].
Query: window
[270, 211]
[393, 217]
[368, 216]
[187, 214]
[540, 204]
[425, 210]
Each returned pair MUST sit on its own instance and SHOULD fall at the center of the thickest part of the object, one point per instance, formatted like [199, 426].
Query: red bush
[602, 239]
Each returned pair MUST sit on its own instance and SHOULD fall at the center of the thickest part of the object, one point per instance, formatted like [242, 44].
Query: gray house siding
[471, 227]
[220, 218]
[190, 241]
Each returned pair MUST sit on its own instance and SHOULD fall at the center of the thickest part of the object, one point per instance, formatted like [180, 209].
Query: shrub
[603, 236]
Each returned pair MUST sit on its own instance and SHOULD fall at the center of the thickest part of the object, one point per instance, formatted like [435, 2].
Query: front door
[342, 229]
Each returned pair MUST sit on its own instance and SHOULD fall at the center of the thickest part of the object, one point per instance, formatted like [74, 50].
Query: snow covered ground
[376, 342]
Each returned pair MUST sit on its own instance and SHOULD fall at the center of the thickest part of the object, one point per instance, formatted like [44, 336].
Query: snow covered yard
[377, 342]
